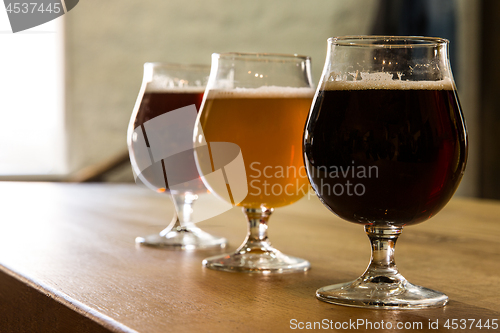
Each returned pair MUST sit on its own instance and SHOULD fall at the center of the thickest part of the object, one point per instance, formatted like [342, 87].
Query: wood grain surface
[68, 263]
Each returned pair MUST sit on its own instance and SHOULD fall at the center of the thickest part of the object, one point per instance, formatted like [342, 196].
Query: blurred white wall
[32, 101]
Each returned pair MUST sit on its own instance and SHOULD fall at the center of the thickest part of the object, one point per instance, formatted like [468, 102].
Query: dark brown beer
[390, 155]
[153, 104]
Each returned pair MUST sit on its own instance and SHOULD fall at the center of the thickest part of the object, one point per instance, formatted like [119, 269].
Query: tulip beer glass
[163, 121]
[259, 102]
[385, 146]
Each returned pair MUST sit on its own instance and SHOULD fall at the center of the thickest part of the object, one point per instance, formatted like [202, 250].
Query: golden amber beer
[267, 123]
[257, 102]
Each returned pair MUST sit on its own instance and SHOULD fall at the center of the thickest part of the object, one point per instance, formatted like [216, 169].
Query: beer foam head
[374, 81]
[262, 92]
[166, 86]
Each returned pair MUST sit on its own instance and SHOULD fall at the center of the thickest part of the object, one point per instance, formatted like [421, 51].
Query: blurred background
[68, 87]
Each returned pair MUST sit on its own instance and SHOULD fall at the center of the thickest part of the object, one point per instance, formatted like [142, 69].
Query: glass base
[183, 238]
[263, 263]
[381, 295]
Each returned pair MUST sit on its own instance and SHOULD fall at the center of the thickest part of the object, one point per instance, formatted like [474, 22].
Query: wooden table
[68, 263]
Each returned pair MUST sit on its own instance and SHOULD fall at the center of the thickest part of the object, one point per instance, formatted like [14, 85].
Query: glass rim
[367, 41]
[280, 57]
[172, 65]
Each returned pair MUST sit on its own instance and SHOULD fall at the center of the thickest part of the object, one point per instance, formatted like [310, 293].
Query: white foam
[155, 87]
[376, 81]
[262, 92]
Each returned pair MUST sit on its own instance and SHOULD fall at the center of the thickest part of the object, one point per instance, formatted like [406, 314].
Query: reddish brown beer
[154, 104]
[157, 103]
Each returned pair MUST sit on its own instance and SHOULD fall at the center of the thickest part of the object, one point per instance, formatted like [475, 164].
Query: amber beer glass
[260, 103]
[385, 146]
[167, 88]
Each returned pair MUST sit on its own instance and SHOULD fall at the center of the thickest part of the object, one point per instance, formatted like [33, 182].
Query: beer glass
[259, 102]
[163, 122]
[385, 146]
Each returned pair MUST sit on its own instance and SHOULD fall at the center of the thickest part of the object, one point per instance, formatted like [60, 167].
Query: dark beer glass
[385, 146]
[167, 93]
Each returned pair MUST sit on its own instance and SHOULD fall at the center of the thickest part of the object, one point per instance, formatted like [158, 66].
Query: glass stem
[184, 208]
[257, 240]
[382, 267]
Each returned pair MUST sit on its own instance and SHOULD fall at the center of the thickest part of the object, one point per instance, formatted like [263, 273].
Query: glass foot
[381, 294]
[264, 263]
[183, 238]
